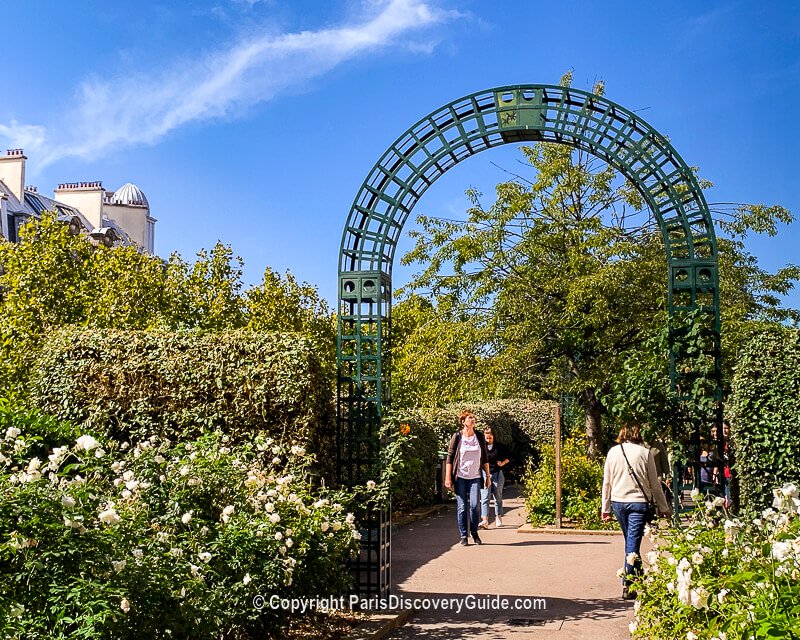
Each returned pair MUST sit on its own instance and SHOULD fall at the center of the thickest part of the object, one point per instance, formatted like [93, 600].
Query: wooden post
[557, 424]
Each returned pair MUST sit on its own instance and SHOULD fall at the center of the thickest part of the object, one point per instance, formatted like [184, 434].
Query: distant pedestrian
[630, 485]
[498, 456]
[466, 459]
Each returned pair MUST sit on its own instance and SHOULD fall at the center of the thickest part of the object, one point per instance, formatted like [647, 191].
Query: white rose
[274, 518]
[186, 518]
[247, 579]
[699, 598]
[68, 501]
[227, 511]
[86, 443]
[205, 556]
[371, 485]
[119, 565]
[12, 432]
[125, 605]
[324, 527]
[109, 516]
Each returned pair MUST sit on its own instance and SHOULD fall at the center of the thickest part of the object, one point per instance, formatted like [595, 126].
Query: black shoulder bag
[650, 514]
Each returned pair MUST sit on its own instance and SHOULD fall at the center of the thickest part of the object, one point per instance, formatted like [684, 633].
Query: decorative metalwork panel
[442, 139]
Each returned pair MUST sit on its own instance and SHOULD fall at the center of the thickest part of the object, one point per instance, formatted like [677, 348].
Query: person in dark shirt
[498, 456]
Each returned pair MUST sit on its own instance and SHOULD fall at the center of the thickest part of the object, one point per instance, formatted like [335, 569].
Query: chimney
[12, 172]
[86, 197]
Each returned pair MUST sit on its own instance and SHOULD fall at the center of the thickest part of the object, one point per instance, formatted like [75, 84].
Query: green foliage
[640, 390]
[436, 358]
[287, 306]
[558, 284]
[415, 455]
[581, 487]
[765, 412]
[523, 425]
[131, 384]
[719, 577]
[159, 540]
[51, 279]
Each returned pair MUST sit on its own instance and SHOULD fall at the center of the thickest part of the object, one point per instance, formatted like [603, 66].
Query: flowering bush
[159, 540]
[581, 487]
[722, 578]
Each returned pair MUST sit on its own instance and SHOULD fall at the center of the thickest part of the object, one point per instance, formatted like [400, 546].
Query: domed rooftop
[129, 193]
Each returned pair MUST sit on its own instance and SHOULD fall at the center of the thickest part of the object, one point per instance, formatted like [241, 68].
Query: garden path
[575, 574]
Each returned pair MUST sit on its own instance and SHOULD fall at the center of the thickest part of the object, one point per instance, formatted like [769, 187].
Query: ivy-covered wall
[765, 414]
[133, 384]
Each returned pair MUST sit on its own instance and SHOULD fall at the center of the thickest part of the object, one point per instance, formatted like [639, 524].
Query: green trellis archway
[411, 164]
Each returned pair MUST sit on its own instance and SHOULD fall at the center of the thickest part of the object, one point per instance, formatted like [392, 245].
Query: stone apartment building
[111, 217]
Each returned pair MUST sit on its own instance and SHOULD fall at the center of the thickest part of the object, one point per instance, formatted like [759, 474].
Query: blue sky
[254, 122]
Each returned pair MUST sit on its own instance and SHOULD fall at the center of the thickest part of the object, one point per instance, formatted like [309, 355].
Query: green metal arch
[415, 160]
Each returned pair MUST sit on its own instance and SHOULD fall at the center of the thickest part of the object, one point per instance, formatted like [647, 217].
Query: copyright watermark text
[400, 602]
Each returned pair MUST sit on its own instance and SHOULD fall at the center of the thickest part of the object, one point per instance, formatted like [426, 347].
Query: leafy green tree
[556, 282]
[563, 278]
[284, 304]
[436, 358]
[51, 278]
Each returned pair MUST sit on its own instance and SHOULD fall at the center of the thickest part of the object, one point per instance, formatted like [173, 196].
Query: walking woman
[466, 458]
[630, 485]
[498, 458]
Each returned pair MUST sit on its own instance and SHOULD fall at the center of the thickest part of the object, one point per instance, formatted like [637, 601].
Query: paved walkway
[574, 574]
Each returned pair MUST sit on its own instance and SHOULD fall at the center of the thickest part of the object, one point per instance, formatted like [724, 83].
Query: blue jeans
[496, 490]
[467, 494]
[630, 516]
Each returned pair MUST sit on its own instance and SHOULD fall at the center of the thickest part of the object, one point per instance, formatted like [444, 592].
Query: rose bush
[160, 540]
[723, 578]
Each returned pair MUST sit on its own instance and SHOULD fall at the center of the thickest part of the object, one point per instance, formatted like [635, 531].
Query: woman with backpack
[466, 458]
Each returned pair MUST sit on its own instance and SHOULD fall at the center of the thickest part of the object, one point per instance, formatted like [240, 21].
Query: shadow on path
[573, 576]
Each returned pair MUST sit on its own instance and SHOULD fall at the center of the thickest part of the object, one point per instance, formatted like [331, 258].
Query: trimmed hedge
[765, 414]
[525, 426]
[133, 384]
[415, 485]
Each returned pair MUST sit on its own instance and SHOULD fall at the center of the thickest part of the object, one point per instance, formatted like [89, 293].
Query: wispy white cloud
[143, 108]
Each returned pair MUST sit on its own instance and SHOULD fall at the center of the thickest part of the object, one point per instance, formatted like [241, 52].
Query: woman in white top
[630, 482]
[466, 458]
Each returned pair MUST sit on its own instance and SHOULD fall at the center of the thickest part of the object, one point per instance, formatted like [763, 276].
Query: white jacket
[619, 486]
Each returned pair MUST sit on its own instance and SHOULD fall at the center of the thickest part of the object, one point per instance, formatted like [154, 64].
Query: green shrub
[159, 540]
[415, 483]
[721, 578]
[581, 487]
[523, 425]
[765, 411]
[130, 384]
